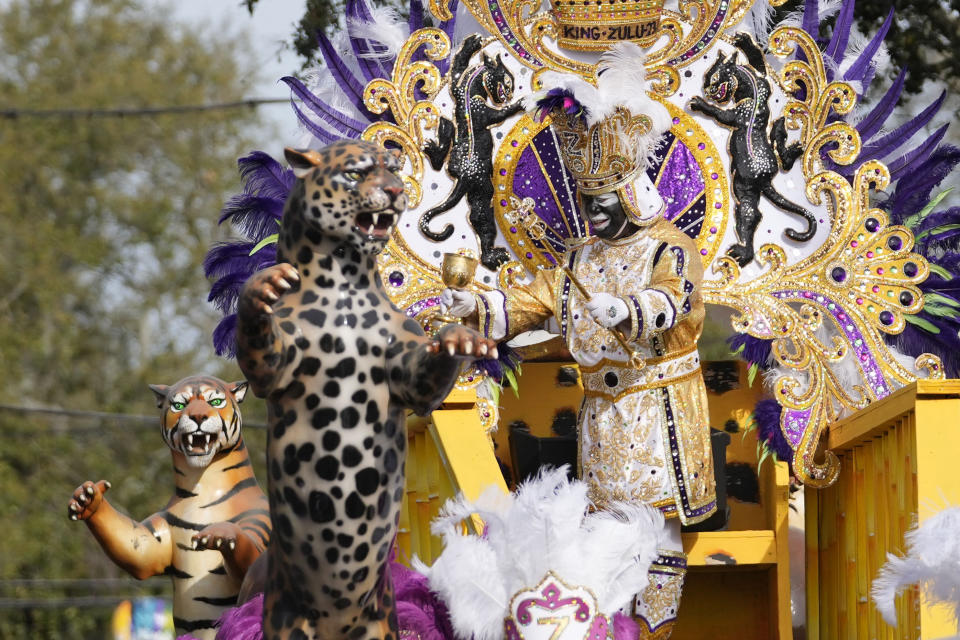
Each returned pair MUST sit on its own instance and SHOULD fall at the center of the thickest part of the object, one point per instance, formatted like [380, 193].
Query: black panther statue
[470, 145]
[756, 158]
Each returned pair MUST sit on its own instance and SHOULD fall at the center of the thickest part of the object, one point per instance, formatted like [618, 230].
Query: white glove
[607, 310]
[456, 303]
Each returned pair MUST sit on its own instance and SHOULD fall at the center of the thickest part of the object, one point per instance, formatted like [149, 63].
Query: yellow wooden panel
[740, 547]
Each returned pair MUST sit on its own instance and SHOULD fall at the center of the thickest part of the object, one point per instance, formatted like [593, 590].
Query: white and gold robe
[644, 433]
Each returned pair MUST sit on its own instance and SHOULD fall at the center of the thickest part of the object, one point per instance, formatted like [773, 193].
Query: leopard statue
[339, 365]
[756, 156]
[469, 144]
[217, 522]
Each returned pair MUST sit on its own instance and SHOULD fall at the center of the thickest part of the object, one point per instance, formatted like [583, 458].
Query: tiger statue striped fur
[217, 522]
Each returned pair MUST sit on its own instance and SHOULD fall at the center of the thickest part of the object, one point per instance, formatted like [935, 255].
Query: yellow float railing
[898, 466]
[449, 453]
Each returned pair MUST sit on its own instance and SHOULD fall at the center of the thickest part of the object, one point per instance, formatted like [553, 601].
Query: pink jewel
[859, 300]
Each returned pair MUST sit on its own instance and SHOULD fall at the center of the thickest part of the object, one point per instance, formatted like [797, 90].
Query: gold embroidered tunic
[644, 433]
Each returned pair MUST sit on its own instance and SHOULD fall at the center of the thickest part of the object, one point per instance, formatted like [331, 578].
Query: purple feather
[767, 414]
[373, 57]
[352, 87]
[864, 68]
[225, 336]
[341, 123]
[244, 622]
[560, 100]
[913, 189]
[507, 359]
[321, 134]
[918, 156]
[254, 216]
[811, 19]
[841, 35]
[873, 121]
[892, 141]
[226, 257]
[753, 350]
[265, 176]
[625, 627]
[255, 213]
[415, 21]
[449, 28]
[418, 608]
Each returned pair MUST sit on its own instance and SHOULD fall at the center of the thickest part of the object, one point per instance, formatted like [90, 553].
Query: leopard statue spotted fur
[338, 365]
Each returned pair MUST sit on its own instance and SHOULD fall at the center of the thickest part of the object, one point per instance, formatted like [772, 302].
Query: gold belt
[614, 380]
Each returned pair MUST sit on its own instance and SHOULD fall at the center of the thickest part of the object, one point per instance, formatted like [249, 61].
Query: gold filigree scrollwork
[398, 95]
[831, 308]
[820, 97]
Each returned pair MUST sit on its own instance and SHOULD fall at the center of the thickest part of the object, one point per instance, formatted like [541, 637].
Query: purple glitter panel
[681, 182]
[418, 307]
[559, 213]
[796, 421]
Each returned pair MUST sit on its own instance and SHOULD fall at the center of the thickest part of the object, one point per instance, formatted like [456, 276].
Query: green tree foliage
[924, 38]
[104, 222]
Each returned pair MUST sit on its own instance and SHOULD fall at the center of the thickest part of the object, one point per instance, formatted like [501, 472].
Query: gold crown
[604, 156]
[594, 25]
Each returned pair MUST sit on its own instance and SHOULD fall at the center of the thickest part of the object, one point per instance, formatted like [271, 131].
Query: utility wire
[62, 603]
[147, 421]
[13, 113]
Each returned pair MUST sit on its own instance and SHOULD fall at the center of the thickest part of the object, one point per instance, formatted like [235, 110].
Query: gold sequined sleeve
[667, 300]
[504, 314]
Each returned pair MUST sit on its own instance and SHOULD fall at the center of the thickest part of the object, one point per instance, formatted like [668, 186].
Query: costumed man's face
[607, 218]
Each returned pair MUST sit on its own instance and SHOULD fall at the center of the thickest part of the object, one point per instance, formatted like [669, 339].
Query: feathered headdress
[609, 129]
[544, 531]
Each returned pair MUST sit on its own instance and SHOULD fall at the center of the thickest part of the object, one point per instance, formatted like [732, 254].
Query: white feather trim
[543, 527]
[932, 561]
[386, 28]
[759, 20]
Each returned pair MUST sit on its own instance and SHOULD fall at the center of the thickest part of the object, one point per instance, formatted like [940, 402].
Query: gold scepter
[522, 215]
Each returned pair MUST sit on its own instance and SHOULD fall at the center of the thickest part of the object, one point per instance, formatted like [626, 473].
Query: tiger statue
[217, 522]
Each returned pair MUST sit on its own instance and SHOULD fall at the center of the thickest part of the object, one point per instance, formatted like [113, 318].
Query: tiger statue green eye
[217, 522]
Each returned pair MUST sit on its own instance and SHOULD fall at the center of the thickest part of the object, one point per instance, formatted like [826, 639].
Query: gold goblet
[457, 272]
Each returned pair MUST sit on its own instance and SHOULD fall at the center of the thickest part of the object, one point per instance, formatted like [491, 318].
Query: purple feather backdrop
[255, 214]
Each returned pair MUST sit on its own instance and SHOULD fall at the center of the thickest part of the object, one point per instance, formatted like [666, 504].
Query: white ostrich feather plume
[932, 562]
[545, 526]
[387, 28]
[621, 82]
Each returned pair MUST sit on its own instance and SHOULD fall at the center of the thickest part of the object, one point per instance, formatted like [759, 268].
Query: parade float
[819, 228]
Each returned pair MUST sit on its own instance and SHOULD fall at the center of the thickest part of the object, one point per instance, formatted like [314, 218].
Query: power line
[14, 113]
[63, 603]
[147, 421]
[74, 583]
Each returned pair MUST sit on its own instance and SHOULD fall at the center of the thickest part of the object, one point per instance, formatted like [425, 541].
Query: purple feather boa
[767, 416]
[756, 351]
[507, 360]
[255, 213]
[419, 611]
[560, 100]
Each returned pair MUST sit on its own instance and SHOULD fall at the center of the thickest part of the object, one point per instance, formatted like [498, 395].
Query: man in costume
[644, 432]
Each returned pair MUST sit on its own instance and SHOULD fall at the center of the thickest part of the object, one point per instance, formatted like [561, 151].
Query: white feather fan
[545, 526]
[932, 561]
